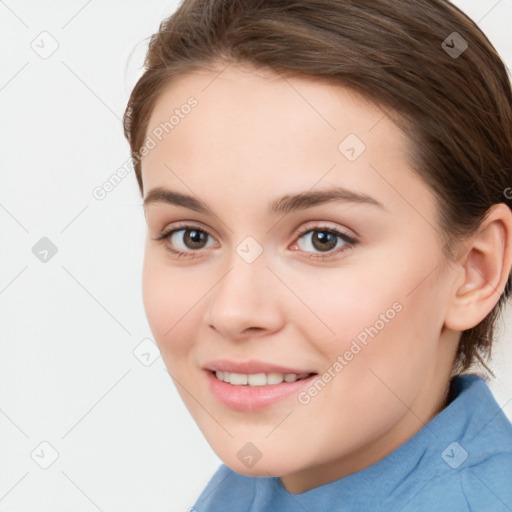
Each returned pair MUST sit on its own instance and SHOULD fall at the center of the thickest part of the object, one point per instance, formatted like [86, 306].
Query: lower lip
[253, 398]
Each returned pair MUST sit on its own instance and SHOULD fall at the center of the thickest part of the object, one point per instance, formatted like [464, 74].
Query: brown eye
[194, 238]
[323, 240]
[320, 239]
[184, 240]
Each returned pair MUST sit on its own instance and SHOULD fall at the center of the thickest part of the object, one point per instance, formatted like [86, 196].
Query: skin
[252, 138]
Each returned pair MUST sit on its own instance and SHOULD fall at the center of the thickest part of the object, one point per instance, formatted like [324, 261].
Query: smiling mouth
[258, 379]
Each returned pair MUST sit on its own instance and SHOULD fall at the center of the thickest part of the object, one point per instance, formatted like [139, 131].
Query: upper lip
[250, 366]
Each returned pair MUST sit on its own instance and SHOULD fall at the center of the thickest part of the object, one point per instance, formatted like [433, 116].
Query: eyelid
[184, 225]
[319, 225]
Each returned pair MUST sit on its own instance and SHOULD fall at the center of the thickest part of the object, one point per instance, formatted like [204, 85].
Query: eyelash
[349, 241]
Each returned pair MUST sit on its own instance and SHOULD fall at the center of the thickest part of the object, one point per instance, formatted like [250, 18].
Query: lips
[254, 398]
[242, 396]
[252, 366]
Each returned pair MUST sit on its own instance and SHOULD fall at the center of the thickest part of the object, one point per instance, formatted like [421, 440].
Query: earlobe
[486, 268]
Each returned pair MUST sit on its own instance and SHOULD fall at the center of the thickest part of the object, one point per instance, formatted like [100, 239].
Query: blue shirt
[461, 460]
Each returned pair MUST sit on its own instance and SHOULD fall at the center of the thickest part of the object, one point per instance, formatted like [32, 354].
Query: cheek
[377, 316]
[169, 304]
[356, 306]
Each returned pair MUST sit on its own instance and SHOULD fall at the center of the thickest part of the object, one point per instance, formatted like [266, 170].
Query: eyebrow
[282, 205]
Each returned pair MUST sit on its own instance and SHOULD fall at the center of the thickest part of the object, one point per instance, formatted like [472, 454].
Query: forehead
[253, 98]
[250, 127]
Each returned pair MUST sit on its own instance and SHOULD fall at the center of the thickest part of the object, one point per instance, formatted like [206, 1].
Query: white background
[68, 374]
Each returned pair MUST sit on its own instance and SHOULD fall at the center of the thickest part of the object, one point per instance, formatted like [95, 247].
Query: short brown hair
[456, 108]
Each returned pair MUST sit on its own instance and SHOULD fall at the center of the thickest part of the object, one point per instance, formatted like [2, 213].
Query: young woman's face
[349, 285]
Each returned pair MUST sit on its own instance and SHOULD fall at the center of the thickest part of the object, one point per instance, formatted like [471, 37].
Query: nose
[246, 301]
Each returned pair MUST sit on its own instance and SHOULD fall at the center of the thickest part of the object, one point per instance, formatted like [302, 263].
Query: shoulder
[467, 465]
[484, 471]
[475, 475]
[488, 484]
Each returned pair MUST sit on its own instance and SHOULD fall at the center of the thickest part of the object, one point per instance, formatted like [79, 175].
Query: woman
[329, 247]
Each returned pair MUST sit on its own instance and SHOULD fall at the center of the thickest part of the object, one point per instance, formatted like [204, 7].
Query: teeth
[238, 379]
[258, 379]
[275, 378]
[255, 379]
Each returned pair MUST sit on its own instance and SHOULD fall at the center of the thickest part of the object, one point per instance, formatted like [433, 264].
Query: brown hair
[456, 108]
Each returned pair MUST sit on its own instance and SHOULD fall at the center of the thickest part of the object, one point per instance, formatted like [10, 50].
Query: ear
[484, 267]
